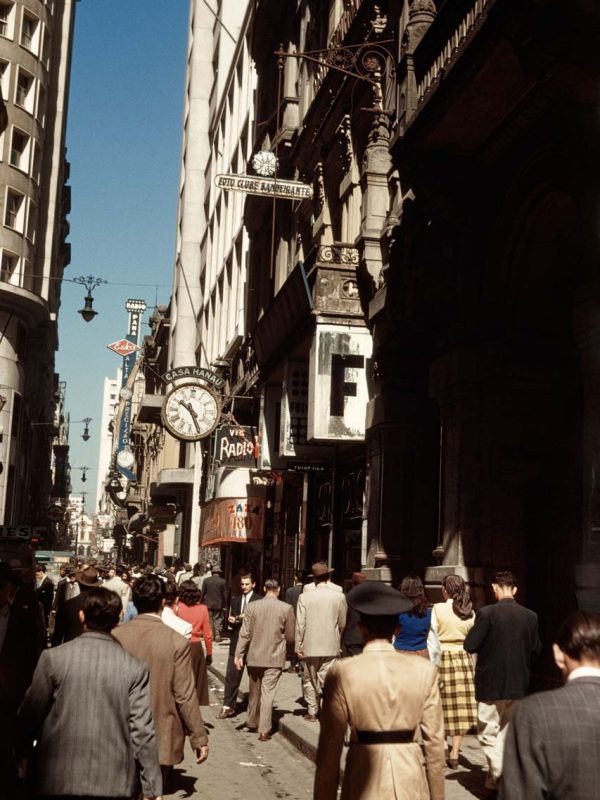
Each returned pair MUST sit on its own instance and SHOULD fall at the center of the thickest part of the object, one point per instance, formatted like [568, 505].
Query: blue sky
[123, 141]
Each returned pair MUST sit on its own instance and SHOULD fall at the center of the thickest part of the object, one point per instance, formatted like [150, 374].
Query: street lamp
[90, 282]
[86, 431]
[84, 473]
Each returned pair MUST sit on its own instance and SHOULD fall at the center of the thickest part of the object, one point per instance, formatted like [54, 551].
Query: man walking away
[505, 637]
[67, 624]
[310, 587]
[552, 749]
[214, 597]
[233, 676]
[173, 692]
[391, 701]
[320, 622]
[267, 629]
[117, 585]
[90, 698]
[168, 615]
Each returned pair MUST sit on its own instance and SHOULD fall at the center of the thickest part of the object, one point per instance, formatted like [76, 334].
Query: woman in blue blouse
[415, 634]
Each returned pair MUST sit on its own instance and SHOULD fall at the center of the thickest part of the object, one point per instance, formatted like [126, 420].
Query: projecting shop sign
[338, 392]
[266, 187]
[236, 446]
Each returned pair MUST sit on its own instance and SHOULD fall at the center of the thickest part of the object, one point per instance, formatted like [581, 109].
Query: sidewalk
[462, 784]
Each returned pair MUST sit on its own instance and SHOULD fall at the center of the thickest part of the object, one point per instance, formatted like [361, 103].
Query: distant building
[35, 200]
[110, 401]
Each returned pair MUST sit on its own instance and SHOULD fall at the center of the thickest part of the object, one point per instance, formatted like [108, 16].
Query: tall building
[35, 59]
[110, 401]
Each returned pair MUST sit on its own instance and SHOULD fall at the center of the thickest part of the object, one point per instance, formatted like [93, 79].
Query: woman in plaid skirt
[452, 620]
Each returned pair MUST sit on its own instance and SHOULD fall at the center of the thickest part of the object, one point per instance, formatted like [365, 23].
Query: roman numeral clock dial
[191, 411]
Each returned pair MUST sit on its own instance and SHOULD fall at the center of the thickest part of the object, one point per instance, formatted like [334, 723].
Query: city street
[239, 765]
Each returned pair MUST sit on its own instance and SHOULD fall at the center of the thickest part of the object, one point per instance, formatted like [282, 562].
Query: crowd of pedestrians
[111, 667]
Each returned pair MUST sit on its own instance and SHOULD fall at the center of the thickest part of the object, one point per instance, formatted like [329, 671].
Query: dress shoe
[225, 713]
[452, 762]
[310, 718]
[264, 737]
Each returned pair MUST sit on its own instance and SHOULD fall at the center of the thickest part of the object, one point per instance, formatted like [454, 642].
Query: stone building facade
[35, 57]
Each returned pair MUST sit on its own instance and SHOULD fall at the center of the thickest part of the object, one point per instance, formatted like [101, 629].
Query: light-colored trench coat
[382, 690]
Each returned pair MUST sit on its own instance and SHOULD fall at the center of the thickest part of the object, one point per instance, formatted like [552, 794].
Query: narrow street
[241, 766]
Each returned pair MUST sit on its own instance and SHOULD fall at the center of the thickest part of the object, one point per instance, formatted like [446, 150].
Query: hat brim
[90, 584]
[374, 599]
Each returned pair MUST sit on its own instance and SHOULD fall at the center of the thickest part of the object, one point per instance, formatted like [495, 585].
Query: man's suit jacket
[382, 691]
[292, 594]
[214, 592]
[45, 595]
[267, 628]
[59, 595]
[18, 658]
[235, 609]
[505, 637]
[173, 690]
[89, 710]
[310, 587]
[320, 622]
[67, 625]
[552, 748]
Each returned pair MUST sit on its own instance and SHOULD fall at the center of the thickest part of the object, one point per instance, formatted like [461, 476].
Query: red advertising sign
[123, 347]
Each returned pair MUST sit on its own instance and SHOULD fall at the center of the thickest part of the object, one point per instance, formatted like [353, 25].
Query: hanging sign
[200, 373]
[236, 446]
[265, 187]
[237, 519]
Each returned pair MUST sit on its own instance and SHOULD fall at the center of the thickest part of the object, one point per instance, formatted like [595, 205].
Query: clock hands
[192, 413]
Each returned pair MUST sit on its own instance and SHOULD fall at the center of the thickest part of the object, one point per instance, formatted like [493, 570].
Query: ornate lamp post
[90, 282]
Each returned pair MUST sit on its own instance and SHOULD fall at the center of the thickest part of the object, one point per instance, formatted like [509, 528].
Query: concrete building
[35, 60]
[110, 401]
[207, 309]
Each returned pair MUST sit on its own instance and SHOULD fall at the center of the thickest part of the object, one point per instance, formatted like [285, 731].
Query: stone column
[587, 334]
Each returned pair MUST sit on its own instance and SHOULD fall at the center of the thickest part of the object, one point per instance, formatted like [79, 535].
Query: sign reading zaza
[338, 394]
[267, 187]
[236, 519]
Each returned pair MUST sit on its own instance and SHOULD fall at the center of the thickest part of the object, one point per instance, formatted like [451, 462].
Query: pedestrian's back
[322, 615]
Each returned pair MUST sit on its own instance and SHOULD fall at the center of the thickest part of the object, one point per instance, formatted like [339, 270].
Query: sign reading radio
[266, 187]
[236, 446]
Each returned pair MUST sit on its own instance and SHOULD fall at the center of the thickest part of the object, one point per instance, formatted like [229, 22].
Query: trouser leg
[255, 675]
[310, 684]
[323, 668]
[492, 721]
[233, 678]
[269, 683]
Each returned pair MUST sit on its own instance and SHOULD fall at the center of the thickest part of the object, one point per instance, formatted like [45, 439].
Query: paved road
[239, 766]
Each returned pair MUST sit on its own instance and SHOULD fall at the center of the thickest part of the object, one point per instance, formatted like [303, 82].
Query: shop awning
[233, 519]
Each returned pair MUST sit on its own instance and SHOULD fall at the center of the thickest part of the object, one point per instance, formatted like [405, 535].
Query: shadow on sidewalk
[180, 781]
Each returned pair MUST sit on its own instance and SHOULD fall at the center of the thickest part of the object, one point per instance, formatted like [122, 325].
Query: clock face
[191, 411]
[125, 458]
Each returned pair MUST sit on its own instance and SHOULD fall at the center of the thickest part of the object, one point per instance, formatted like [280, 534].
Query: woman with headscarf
[452, 620]
[191, 609]
[415, 635]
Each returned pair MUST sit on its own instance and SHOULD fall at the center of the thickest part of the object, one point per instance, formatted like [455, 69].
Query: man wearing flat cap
[389, 700]
[320, 623]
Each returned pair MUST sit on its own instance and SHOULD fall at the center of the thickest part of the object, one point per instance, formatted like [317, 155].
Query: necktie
[244, 598]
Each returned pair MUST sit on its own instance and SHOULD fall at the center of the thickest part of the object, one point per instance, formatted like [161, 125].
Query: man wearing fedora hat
[320, 623]
[310, 587]
[390, 700]
[68, 624]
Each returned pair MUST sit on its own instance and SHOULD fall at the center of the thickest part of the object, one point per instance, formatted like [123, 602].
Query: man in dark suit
[214, 597]
[44, 590]
[19, 652]
[505, 637]
[233, 676]
[552, 746]
[68, 624]
[91, 697]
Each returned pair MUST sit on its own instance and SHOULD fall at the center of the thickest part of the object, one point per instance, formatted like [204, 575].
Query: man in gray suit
[552, 749]
[320, 622]
[267, 628]
[88, 707]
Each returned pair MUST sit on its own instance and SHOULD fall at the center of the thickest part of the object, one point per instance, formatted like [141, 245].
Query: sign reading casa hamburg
[192, 408]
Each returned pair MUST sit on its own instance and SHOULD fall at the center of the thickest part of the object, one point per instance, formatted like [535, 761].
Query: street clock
[191, 412]
[125, 458]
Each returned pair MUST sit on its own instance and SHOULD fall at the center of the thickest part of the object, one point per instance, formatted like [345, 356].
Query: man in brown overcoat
[173, 691]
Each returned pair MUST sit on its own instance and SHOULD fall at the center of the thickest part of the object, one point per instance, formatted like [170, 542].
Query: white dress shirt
[170, 618]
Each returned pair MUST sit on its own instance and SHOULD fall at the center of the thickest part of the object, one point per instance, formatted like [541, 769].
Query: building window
[6, 19]
[37, 162]
[14, 210]
[19, 150]
[24, 95]
[41, 106]
[31, 222]
[30, 32]
[4, 76]
[8, 266]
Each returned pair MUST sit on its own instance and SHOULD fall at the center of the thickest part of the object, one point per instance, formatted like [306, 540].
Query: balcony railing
[434, 53]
